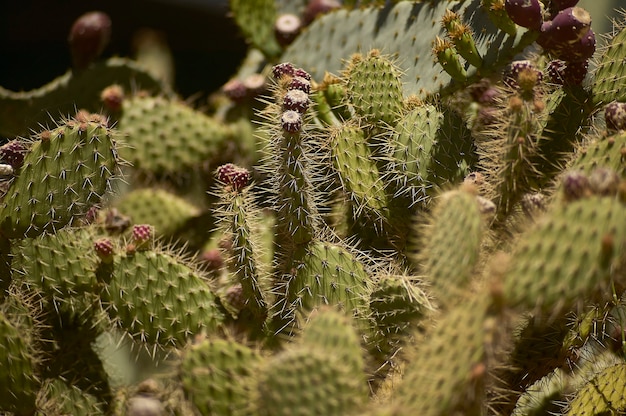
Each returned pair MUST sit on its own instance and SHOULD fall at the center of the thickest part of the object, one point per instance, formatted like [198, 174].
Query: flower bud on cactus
[287, 28]
[141, 235]
[300, 83]
[523, 75]
[615, 116]
[525, 13]
[104, 249]
[112, 97]
[234, 176]
[88, 37]
[296, 100]
[12, 153]
[299, 72]
[283, 69]
[291, 121]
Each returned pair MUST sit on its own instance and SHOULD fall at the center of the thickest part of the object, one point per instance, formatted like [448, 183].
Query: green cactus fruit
[214, 373]
[166, 137]
[22, 112]
[609, 76]
[305, 381]
[164, 210]
[567, 256]
[19, 358]
[374, 88]
[450, 243]
[462, 37]
[449, 59]
[404, 30]
[160, 299]
[605, 394]
[358, 173]
[327, 274]
[65, 171]
[431, 149]
[399, 306]
[448, 371]
[57, 397]
[256, 20]
[63, 269]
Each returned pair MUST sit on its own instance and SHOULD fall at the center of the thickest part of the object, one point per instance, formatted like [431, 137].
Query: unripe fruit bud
[233, 176]
[291, 121]
[12, 153]
[112, 97]
[525, 13]
[89, 36]
[296, 100]
[141, 235]
[283, 69]
[104, 248]
[300, 83]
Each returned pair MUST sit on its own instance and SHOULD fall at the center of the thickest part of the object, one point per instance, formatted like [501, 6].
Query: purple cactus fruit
[615, 116]
[224, 172]
[104, 249]
[283, 69]
[112, 97]
[12, 153]
[286, 28]
[569, 25]
[235, 90]
[558, 5]
[296, 100]
[299, 83]
[567, 73]
[291, 121]
[575, 185]
[299, 72]
[577, 51]
[89, 36]
[256, 84]
[141, 234]
[317, 7]
[523, 75]
[525, 13]
[212, 259]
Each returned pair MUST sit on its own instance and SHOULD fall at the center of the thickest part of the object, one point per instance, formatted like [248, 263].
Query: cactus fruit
[615, 116]
[525, 13]
[88, 37]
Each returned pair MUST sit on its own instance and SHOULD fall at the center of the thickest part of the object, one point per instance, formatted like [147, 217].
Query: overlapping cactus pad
[393, 208]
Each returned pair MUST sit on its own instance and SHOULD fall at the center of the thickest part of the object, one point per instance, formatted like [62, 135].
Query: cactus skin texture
[410, 208]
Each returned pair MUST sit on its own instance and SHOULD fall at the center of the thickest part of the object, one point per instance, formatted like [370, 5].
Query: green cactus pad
[213, 374]
[431, 148]
[57, 397]
[166, 136]
[329, 274]
[450, 243]
[374, 88]
[256, 18]
[22, 111]
[306, 382]
[164, 210]
[18, 378]
[568, 256]
[605, 394]
[606, 152]
[65, 172]
[609, 76]
[357, 170]
[446, 373]
[405, 30]
[160, 299]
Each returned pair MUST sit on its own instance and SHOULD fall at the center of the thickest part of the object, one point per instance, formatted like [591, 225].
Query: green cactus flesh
[65, 172]
[610, 76]
[605, 394]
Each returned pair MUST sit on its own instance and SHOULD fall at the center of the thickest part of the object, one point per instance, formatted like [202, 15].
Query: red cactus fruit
[212, 259]
[299, 72]
[112, 97]
[525, 13]
[233, 176]
[141, 234]
[316, 7]
[286, 28]
[615, 116]
[291, 121]
[296, 100]
[104, 249]
[89, 36]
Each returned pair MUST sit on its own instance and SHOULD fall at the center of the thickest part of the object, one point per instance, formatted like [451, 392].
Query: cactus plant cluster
[392, 208]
